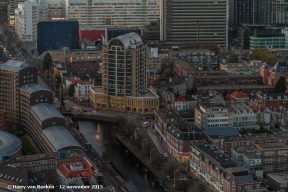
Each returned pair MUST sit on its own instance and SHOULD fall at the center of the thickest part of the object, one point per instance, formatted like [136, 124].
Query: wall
[93, 34]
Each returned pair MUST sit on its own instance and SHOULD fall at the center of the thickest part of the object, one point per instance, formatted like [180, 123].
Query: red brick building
[219, 171]
[78, 68]
[274, 74]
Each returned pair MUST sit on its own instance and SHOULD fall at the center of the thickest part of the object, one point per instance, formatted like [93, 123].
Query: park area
[28, 146]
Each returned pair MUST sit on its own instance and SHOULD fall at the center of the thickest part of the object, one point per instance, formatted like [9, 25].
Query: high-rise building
[205, 21]
[55, 35]
[13, 4]
[124, 81]
[125, 13]
[30, 12]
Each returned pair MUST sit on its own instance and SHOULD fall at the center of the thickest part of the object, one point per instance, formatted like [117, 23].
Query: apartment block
[273, 156]
[249, 158]
[278, 181]
[175, 134]
[125, 13]
[213, 116]
[240, 68]
[13, 5]
[219, 171]
[244, 117]
[194, 21]
[124, 77]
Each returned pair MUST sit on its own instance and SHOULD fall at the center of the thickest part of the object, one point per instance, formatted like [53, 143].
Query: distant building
[240, 68]
[3, 120]
[213, 116]
[181, 103]
[82, 89]
[238, 97]
[208, 29]
[111, 33]
[278, 181]
[272, 76]
[11, 176]
[151, 31]
[273, 156]
[250, 159]
[243, 117]
[175, 134]
[177, 85]
[55, 35]
[219, 171]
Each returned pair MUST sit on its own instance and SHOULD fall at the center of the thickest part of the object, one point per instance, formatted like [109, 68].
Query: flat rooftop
[211, 105]
[267, 146]
[236, 169]
[192, 51]
[215, 153]
[213, 87]
[187, 66]
[237, 65]
[281, 177]
[171, 115]
[249, 152]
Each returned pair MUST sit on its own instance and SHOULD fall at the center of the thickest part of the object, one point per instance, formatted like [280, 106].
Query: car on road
[166, 154]
[145, 124]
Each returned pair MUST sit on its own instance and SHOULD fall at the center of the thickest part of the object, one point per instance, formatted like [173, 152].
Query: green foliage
[27, 146]
[280, 86]
[71, 90]
[167, 73]
[57, 76]
[224, 93]
[47, 62]
[265, 56]
[233, 59]
[83, 76]
[120, 123]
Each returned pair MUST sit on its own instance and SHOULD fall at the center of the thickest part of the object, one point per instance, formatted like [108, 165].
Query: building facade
[243, 117]
[213, 116]
[109, 14]
[53, 35]
[124, 77]
[13, 5]
[196, 20]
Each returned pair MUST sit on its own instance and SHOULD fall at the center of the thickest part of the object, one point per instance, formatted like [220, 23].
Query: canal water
[101, 136]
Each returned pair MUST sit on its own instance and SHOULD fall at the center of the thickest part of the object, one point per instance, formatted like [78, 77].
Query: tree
[57, 76]
[130, 129]
[147, 149]
[280, 86]
[47, 63]
[83, 76]
[139, 140]
[167, 73]
[224, 93]
[233, 59]
[120, 122]
[71, 90]
[159, 158]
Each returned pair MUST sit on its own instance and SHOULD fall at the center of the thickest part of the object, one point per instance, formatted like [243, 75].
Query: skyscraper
[124, 81]
[194, 20]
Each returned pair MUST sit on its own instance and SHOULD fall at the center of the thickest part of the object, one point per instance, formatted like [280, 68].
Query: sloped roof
[180, 99]
[255, 108]
[129, 39]
[280, 67]
[60, 138]
[46, 111]
[9, 142]
[14, 65]
[32, 87]
[240, 94]
[227, 131]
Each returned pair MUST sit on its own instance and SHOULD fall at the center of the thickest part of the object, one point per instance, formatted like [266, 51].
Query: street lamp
[175, 177]
[136, 133]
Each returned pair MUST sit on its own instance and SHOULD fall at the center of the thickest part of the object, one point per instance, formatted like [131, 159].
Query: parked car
[166, 154]
[145, 124]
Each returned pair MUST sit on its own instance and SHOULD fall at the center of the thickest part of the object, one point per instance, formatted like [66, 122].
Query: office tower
[194, 20]
[29, 13]
[118, 13]
[13, 4]
[55, 35]
[124, 81]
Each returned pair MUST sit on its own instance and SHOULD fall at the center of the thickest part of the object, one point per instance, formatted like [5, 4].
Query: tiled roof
[85, 81]
[274, 104]
[87, 170]
[180, 99]
[257, 107]
[240, 94]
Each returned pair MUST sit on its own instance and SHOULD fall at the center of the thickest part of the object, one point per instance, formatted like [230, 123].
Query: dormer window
[41, 95]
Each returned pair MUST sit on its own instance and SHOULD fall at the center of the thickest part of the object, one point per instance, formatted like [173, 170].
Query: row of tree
[264, 55]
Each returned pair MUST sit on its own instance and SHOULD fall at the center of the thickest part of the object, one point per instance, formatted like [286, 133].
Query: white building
[26, 19]
[82, 89]
[209, 115]
[243, 117]
[181, 103]
[30, 12]
[119, 13]
[250, 159]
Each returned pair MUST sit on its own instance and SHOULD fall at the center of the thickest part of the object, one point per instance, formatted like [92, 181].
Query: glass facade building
[55, 35]
[261, 42]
